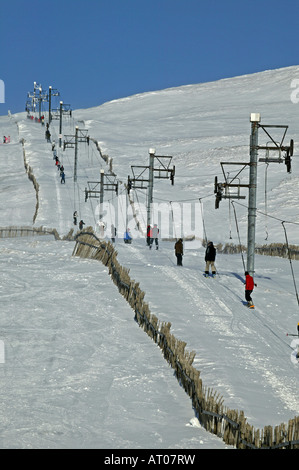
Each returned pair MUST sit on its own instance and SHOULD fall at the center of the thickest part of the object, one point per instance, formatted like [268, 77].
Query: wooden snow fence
[272, 249]
[108, 160]
[24, 231]
[230, 425]
[32, 178]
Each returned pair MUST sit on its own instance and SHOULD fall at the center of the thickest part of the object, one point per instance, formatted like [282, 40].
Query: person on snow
[48, 135]
[249, 286]
[154, 236]
[148, 235]
[113, 233]
[102, 228]
[210, 257]
[179, 251]
[75, 215]
[62, 175]
[81, 223]
[127, 236]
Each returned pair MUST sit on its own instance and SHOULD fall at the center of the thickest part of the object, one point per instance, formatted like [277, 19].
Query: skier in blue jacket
[127, 236]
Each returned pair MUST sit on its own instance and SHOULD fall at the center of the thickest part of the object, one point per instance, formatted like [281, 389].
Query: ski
[290, 334]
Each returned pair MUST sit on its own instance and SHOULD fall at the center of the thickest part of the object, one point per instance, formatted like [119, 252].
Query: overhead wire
[238, 232]
[290, 260]
[270, 216]
[266, 202]
[184, 200]
[203, 221]
[173, 221]
[142, 215]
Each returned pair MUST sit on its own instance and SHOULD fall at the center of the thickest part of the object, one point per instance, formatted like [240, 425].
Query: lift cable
[266, 202]
[203, 221]
[269, 216]
[173, 224]
[289, 256]
[237, 227]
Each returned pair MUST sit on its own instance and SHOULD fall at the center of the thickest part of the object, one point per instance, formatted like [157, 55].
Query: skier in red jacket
[249, 286]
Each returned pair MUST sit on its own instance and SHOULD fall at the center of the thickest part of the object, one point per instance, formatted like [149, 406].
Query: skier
[249, 286]
[48, 135]
[102, 228]
[154, 236]
[148, 235]
[210, 257]
[127, 236]
[81, 223]
[75, 215]
[179, 251]
[62, 175]
[113, 233]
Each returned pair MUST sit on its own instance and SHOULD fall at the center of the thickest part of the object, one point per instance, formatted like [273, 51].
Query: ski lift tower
[72, 142]
[254, 147]
[52, 92]
[162, 172]
[221, 190]
[255, 118]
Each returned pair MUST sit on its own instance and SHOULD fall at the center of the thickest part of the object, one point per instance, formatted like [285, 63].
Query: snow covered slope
[201, 126]
[245, 355]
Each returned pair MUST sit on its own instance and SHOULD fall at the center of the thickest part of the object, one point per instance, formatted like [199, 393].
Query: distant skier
[154, 236]
[62, 176]
[148, 235]
[113, 233]
[127, 236]
[102, 228]
[179, 251]
[48, 135]
[249, 286]
[210, 257]
[81, 224]
[75, 215]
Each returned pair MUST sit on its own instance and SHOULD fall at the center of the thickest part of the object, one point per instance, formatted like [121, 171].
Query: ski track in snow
[203, 295]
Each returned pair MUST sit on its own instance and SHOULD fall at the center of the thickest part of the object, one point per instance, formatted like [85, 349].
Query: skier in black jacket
[210, 259]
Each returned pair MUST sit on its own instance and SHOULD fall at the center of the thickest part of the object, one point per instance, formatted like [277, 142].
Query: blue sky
[99, 50]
